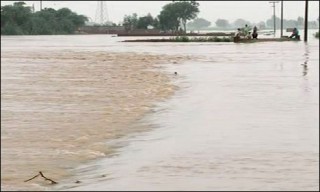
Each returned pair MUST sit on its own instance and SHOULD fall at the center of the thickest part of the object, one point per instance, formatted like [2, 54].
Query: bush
[224, 39]
[182, 39]
[201, 39]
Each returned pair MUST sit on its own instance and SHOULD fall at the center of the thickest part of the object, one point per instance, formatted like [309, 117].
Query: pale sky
[253, 11]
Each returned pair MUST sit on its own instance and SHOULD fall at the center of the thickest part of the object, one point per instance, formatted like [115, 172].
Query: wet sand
[59, 108]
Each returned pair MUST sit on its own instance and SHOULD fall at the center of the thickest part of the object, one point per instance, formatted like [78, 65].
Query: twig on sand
[41, 174]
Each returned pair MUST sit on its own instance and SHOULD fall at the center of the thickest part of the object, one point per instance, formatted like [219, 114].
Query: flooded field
[114, 116]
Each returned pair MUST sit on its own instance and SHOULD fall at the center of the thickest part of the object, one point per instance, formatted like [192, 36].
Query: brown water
[246, 116]
[59, 107]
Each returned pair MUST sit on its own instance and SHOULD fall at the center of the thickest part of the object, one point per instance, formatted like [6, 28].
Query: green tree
[130, 22]
[68, 20]
[144, 22]
[14, 17]
[176, 13]
[187, 11]
[48, 25]
[38, 26]
[17, 19]
[168, 19]
[156, 23]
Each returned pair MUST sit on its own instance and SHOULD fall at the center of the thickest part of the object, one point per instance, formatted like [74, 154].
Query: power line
[102, 16]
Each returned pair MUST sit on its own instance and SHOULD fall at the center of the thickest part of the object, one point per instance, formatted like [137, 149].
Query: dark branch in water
[41, 174]
[31, 178]
[47, 179]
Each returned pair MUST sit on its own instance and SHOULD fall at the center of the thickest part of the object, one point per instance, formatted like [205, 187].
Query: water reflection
[306, 59]
[305, 69]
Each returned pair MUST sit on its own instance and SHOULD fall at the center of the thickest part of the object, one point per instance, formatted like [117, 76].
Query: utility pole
[274, 15]
[306, 22]
[40, 5]
[281, 34]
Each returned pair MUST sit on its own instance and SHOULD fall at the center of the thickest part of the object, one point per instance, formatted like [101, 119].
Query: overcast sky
[253, 11]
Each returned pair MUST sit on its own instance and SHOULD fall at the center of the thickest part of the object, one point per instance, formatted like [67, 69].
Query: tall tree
[168, 20]
[130, 22]
[144, 22]
[176, 13]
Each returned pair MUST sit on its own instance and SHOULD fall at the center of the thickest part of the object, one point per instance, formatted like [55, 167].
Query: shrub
[182, 39]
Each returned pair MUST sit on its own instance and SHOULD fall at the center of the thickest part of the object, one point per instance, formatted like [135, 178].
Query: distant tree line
[200, 23]
[18, 19]
[299, 23]
[174, 17]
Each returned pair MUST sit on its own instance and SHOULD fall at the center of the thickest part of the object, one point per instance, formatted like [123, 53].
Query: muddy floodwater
[94, 113]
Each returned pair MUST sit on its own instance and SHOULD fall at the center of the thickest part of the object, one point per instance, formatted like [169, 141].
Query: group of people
[246, 32]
